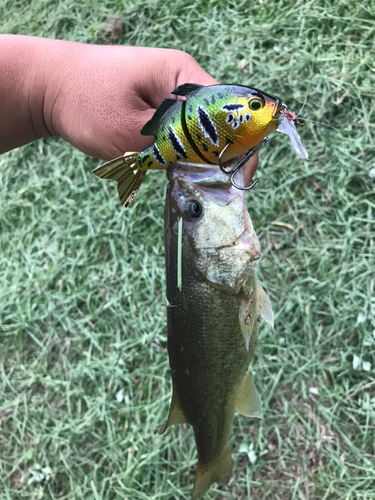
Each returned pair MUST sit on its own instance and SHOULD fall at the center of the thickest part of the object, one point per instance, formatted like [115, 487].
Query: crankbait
[212, 125]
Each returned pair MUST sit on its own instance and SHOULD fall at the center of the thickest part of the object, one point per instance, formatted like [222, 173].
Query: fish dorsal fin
[186, 88]
[151, 126]
[265, 308]
[248, 401]
[176, 415]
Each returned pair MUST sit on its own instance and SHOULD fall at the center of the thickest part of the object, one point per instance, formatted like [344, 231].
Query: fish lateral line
[179, 254]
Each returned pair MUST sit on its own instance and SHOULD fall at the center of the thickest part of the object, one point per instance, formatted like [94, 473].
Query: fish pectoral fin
[176, 415]
[124, 171]
[265, 308]
[151, 126]
[218, 471]
[247, 316]
[186, 88]
[248, 401]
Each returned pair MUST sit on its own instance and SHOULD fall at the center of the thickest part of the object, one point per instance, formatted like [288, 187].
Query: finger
[192, 72]
[250, 168]
[175, 68]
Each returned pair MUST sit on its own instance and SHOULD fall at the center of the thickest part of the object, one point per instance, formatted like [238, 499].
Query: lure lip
[287, 126]
[290, 115]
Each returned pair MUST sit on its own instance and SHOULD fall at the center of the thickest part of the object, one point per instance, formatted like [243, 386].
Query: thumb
[189, 71]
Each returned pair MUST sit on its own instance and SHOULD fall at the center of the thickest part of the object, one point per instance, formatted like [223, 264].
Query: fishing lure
[196, 130]
[211, 125]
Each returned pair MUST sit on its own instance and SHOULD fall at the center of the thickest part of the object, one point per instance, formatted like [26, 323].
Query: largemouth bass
[214, 123]
[214, 306]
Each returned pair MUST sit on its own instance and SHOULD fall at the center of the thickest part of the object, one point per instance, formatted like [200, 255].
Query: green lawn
[84, 375]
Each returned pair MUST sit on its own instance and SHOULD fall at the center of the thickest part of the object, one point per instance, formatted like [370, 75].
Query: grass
[84, 376]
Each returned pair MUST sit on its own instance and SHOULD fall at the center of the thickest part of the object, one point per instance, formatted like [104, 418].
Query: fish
[214, 305]
[210, 123]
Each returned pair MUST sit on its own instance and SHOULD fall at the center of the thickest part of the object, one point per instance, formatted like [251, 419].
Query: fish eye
[255, 104]
[194, 209]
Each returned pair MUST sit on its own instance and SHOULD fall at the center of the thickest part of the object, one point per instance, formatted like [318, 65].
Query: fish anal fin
[265, 308]
[176, 415]
[248, 401]
[218, 471]
[186, 88]
[151, 126]
[124, 171]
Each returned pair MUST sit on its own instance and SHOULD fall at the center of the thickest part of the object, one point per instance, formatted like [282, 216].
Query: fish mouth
[245, 245]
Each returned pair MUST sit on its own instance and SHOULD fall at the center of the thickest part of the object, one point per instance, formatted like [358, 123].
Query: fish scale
[211, 341]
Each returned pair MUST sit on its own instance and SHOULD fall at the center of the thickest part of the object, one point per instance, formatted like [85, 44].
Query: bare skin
[95, 97]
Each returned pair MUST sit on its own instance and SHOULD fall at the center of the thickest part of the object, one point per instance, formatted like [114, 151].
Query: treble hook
[240, 164]
[221, 155]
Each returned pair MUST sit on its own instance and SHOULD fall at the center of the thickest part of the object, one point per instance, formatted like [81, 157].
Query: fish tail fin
[125, 172]
[219, 471]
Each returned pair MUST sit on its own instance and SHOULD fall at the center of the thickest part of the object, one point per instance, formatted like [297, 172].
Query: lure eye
[194, 209]
[255, 104]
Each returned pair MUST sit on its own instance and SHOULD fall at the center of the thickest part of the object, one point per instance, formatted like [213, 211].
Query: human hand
[102, 96]
[96, 97]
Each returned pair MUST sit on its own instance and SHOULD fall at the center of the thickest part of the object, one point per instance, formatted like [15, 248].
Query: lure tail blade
[124, 171]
